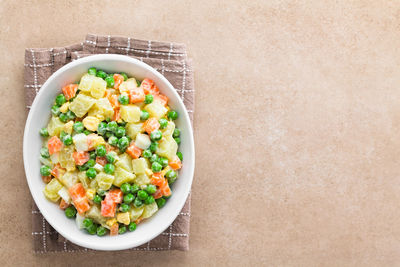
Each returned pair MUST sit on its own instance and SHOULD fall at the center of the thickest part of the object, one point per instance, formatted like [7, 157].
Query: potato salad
[110, 152]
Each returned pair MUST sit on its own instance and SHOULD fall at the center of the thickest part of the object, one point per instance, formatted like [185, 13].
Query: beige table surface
[297, 127]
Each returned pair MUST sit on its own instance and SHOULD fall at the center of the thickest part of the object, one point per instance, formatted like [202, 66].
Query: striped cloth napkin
[170, 60]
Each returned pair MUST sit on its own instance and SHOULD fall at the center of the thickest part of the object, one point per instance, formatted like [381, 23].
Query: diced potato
[95, 214]
[135, 213]
[93, 184]
[122, 176]
[130, 113]
[149, 210]
[148, 172]
[104, 180]
[91, 123]
[169, 130]
[86, 82]
[85, 181]
[140, 165]
[80, 141]
[102, 109]
[55, 126]
[45, 161]
[167, 147]
[79, 221]
[156, 109]
[142, 179]
[68, 127]
[142, 141]
[98, 167]
[132, 129]
[99, 87]
[96, 140]
[111, 222]
[69, 179]
[64, 107]
[123, 217]
[90, 193]
[125, 162]
[63, 193]
[127, 85]
[55, 158]
[81, 104]
[165, 170]
[51, 190]
[66, 159]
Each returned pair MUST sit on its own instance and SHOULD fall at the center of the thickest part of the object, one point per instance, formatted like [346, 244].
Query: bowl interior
[39, 116]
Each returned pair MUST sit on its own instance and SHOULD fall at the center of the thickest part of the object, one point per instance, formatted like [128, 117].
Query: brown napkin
[170, 60]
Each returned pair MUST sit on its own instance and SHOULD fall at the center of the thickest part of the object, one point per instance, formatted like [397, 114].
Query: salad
[110, 152]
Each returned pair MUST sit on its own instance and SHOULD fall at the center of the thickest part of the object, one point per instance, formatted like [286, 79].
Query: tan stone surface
[297, 126]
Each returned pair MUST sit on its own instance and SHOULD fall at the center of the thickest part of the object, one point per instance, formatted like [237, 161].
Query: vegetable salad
[110, 152]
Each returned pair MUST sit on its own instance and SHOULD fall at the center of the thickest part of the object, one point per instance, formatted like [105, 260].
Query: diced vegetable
[125, 162]
[156, 109]
[81, 105]
[122, 176]
[91, 123]
[175, 163]
[149, 210]
[104, 181]
[151, 125]
[54, 145]
[136, 95]
[130, 113]
[63, 193]
[78, 196]
[123, 217]
[132, 129]
[167, 147]
[140, 165]
[69, 179]
[81, 157]
[81, 142]
[69, 90]
[51, 190]
[134, 151]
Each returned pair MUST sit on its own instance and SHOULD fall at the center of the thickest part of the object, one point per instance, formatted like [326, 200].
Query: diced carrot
[118, 79]
[175, 163]
[63, 204]
[108, 208]
[157, 194]
[113, 99]
[69, 90]
[134, 151]
[46, 179]
[54, 145]
[81, 157]
[58, 171]
[146, 85]
[101, 160]
[114, 196]
[82, 205]
[117, 114]
[78, 196]
[110, 147]
[107, 93]
[157, 179]
[89, 140]
[151, 125]
[136, 95]
[139, 220]
[114, 229]
[165, 190]
[154, 90]
[162, 98]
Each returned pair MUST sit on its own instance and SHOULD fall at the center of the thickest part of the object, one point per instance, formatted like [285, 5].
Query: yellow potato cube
[102, 109]
[68, 127]
[111, 222]
[135, 213]
[86, 82]
[142, 179]
[132, 129]
[69, 179]
[140, 165]
[156, 109]
[122, 176]
[130, 113]
[90, 193]
[125, 162]
[104, 180]
[55, 126]
[91, 123]
[99, 87]
[167, 147]
[81, 105]
[127, 85]
[123, 217]
[169, 130]
[51, 190]
[64, 107]
[149, 210]
[66, 159]
[148, 172]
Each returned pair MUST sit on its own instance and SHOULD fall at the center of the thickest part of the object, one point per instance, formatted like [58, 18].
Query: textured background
[297, 126]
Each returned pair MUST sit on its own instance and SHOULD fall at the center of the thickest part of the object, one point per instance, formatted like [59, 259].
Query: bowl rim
[190, 159]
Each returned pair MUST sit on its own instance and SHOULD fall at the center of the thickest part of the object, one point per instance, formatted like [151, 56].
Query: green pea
[87, 132]
[156, 167]
[87, 222]
[147, 153]
[142, 195]
[172, 114]
[55, 110]
[125, 188]
[137, 203]
[109, 134]
[163, 123]
[124, 75]
[138, 83]
[160, 202]
[124, 207]
[82, 168]
[62, 134]
[102, 74]
[110, 81]
[123, 143]
[129, 198]
[67, 140]
[153, 147]
[92, 71]
[63, 117]
[154, 158]
[176, 133]
[109, 168]
[178, 140]
[90, 163]
[123, 124]
[171, 176]
[97, 199]
[151, 189]
[70, 212]
[93, 155]
[112, 140]
[92, 229]
[78, 127]
[44, 152]
[148, 99]
[101, 192]
[144, 115]
[102, 128]
[179, 154]
[70, 115]
[112, 126]
[156, 135]
[101, 231]
[120, 132]
[91, 173]
[60, 99]
[163, 162]
[45, 170]
[149, 200]
[132, 226]
[43, 132]
[134, 188]
[123, 99]
[101, 151]
[111, 157]
[122, 230]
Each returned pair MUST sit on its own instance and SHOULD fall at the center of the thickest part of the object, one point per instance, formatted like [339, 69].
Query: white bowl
[39, 117]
